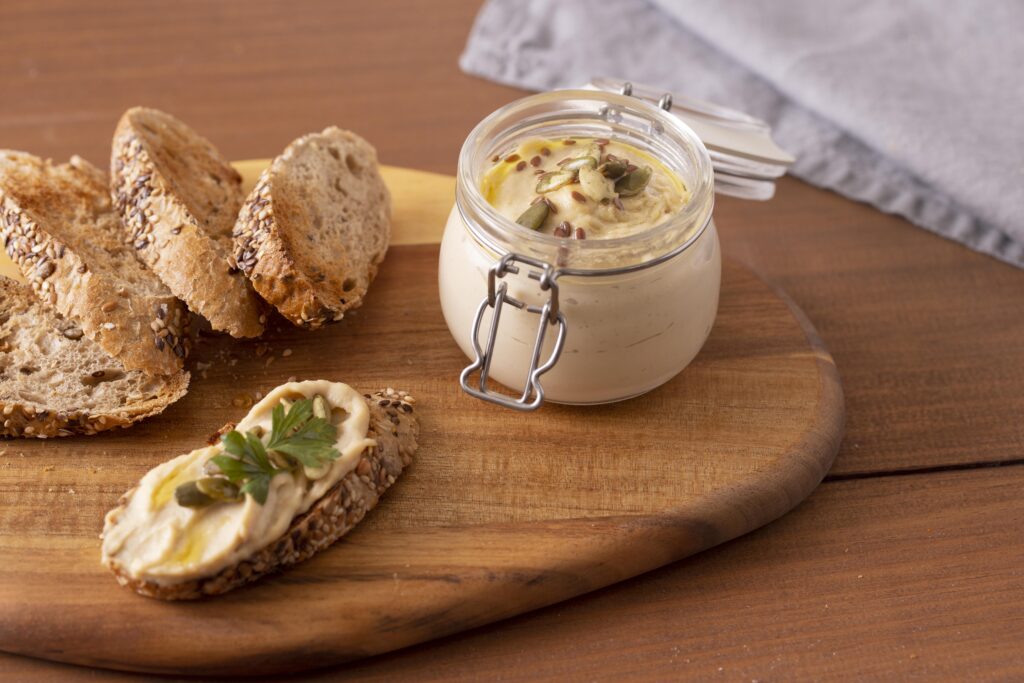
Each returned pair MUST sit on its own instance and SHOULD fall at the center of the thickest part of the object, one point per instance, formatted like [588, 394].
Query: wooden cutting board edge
[563, 559]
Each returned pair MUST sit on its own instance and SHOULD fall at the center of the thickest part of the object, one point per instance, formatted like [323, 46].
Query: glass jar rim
[695, 212]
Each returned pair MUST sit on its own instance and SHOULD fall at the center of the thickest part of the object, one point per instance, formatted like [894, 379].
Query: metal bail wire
[549, 314]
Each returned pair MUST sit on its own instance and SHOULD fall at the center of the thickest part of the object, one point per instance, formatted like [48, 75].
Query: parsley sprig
[297, 435]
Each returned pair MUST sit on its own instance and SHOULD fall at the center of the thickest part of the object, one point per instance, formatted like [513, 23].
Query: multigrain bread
[58, 226]
[55, 381]
[394, 428]
[314, 229]
[178, 199]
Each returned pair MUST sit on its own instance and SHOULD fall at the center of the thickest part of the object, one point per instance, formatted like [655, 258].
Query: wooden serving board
[501, 513]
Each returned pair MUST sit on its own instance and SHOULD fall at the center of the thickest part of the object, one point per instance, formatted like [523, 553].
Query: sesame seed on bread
[55, 381]
[393, 427]
[314, 230]
[178, 199]
[58, 226]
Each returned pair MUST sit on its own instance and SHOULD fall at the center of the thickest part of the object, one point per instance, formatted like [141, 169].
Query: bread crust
[26, 419]
[264, 249]
[145, 332]
[395, 430]
[169, 238]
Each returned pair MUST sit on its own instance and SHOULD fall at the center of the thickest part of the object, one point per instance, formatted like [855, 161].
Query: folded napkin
[915, 107]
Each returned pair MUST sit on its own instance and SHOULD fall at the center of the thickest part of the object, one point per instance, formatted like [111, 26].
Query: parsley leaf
[295, 434]
[310, 441]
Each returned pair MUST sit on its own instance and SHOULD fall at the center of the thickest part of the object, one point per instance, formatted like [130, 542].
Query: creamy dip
[515, 180]
[156, 539]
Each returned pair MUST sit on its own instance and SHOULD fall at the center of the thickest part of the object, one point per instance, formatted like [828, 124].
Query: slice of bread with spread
[58, 226]
[313, 231]
[257, 500]
[55, 381]
[178, 199]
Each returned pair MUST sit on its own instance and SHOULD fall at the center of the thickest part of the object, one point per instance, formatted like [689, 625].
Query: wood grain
[901, 578]
[502, 512]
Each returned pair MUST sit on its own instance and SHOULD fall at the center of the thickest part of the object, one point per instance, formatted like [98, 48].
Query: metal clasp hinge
[549, 314]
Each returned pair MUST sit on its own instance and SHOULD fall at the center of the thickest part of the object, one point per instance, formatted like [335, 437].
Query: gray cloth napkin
[915, 107]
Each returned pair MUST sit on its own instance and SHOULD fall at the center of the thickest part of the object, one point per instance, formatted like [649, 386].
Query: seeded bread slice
[315, 228]
[57, 225]
[55, 381]
[178, 199]
[392, 426]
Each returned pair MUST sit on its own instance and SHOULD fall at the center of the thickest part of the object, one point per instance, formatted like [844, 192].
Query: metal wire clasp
[497, 297]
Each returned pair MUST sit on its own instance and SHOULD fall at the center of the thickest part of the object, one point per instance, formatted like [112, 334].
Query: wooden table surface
[905, 564]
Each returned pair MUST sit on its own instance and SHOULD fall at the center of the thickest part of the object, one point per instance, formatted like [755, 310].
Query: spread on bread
[582, 188]
[203, 512]
[158, 538]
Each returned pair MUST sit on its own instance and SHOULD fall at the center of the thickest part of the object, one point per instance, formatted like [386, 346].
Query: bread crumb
[242, 401]
[286, 353]
[49, 468]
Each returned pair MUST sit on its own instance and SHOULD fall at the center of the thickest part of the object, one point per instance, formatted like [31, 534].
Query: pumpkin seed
[576, 163]
[280, 460]
[188, 495]
[320, 407]
[634, 182]
[612, 168]
[549, 182]
[219, 488]
[534, 216]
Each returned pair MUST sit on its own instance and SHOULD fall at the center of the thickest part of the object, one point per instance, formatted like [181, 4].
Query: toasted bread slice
[58, 226]
[55, 381]
[394, 429]
[316, 226]
[178, 200]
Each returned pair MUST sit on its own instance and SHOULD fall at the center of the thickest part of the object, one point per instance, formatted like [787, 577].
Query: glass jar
[601, 319]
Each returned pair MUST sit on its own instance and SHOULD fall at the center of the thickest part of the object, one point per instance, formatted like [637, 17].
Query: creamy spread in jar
[585, 218]
[583, 188]
[158, 539]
